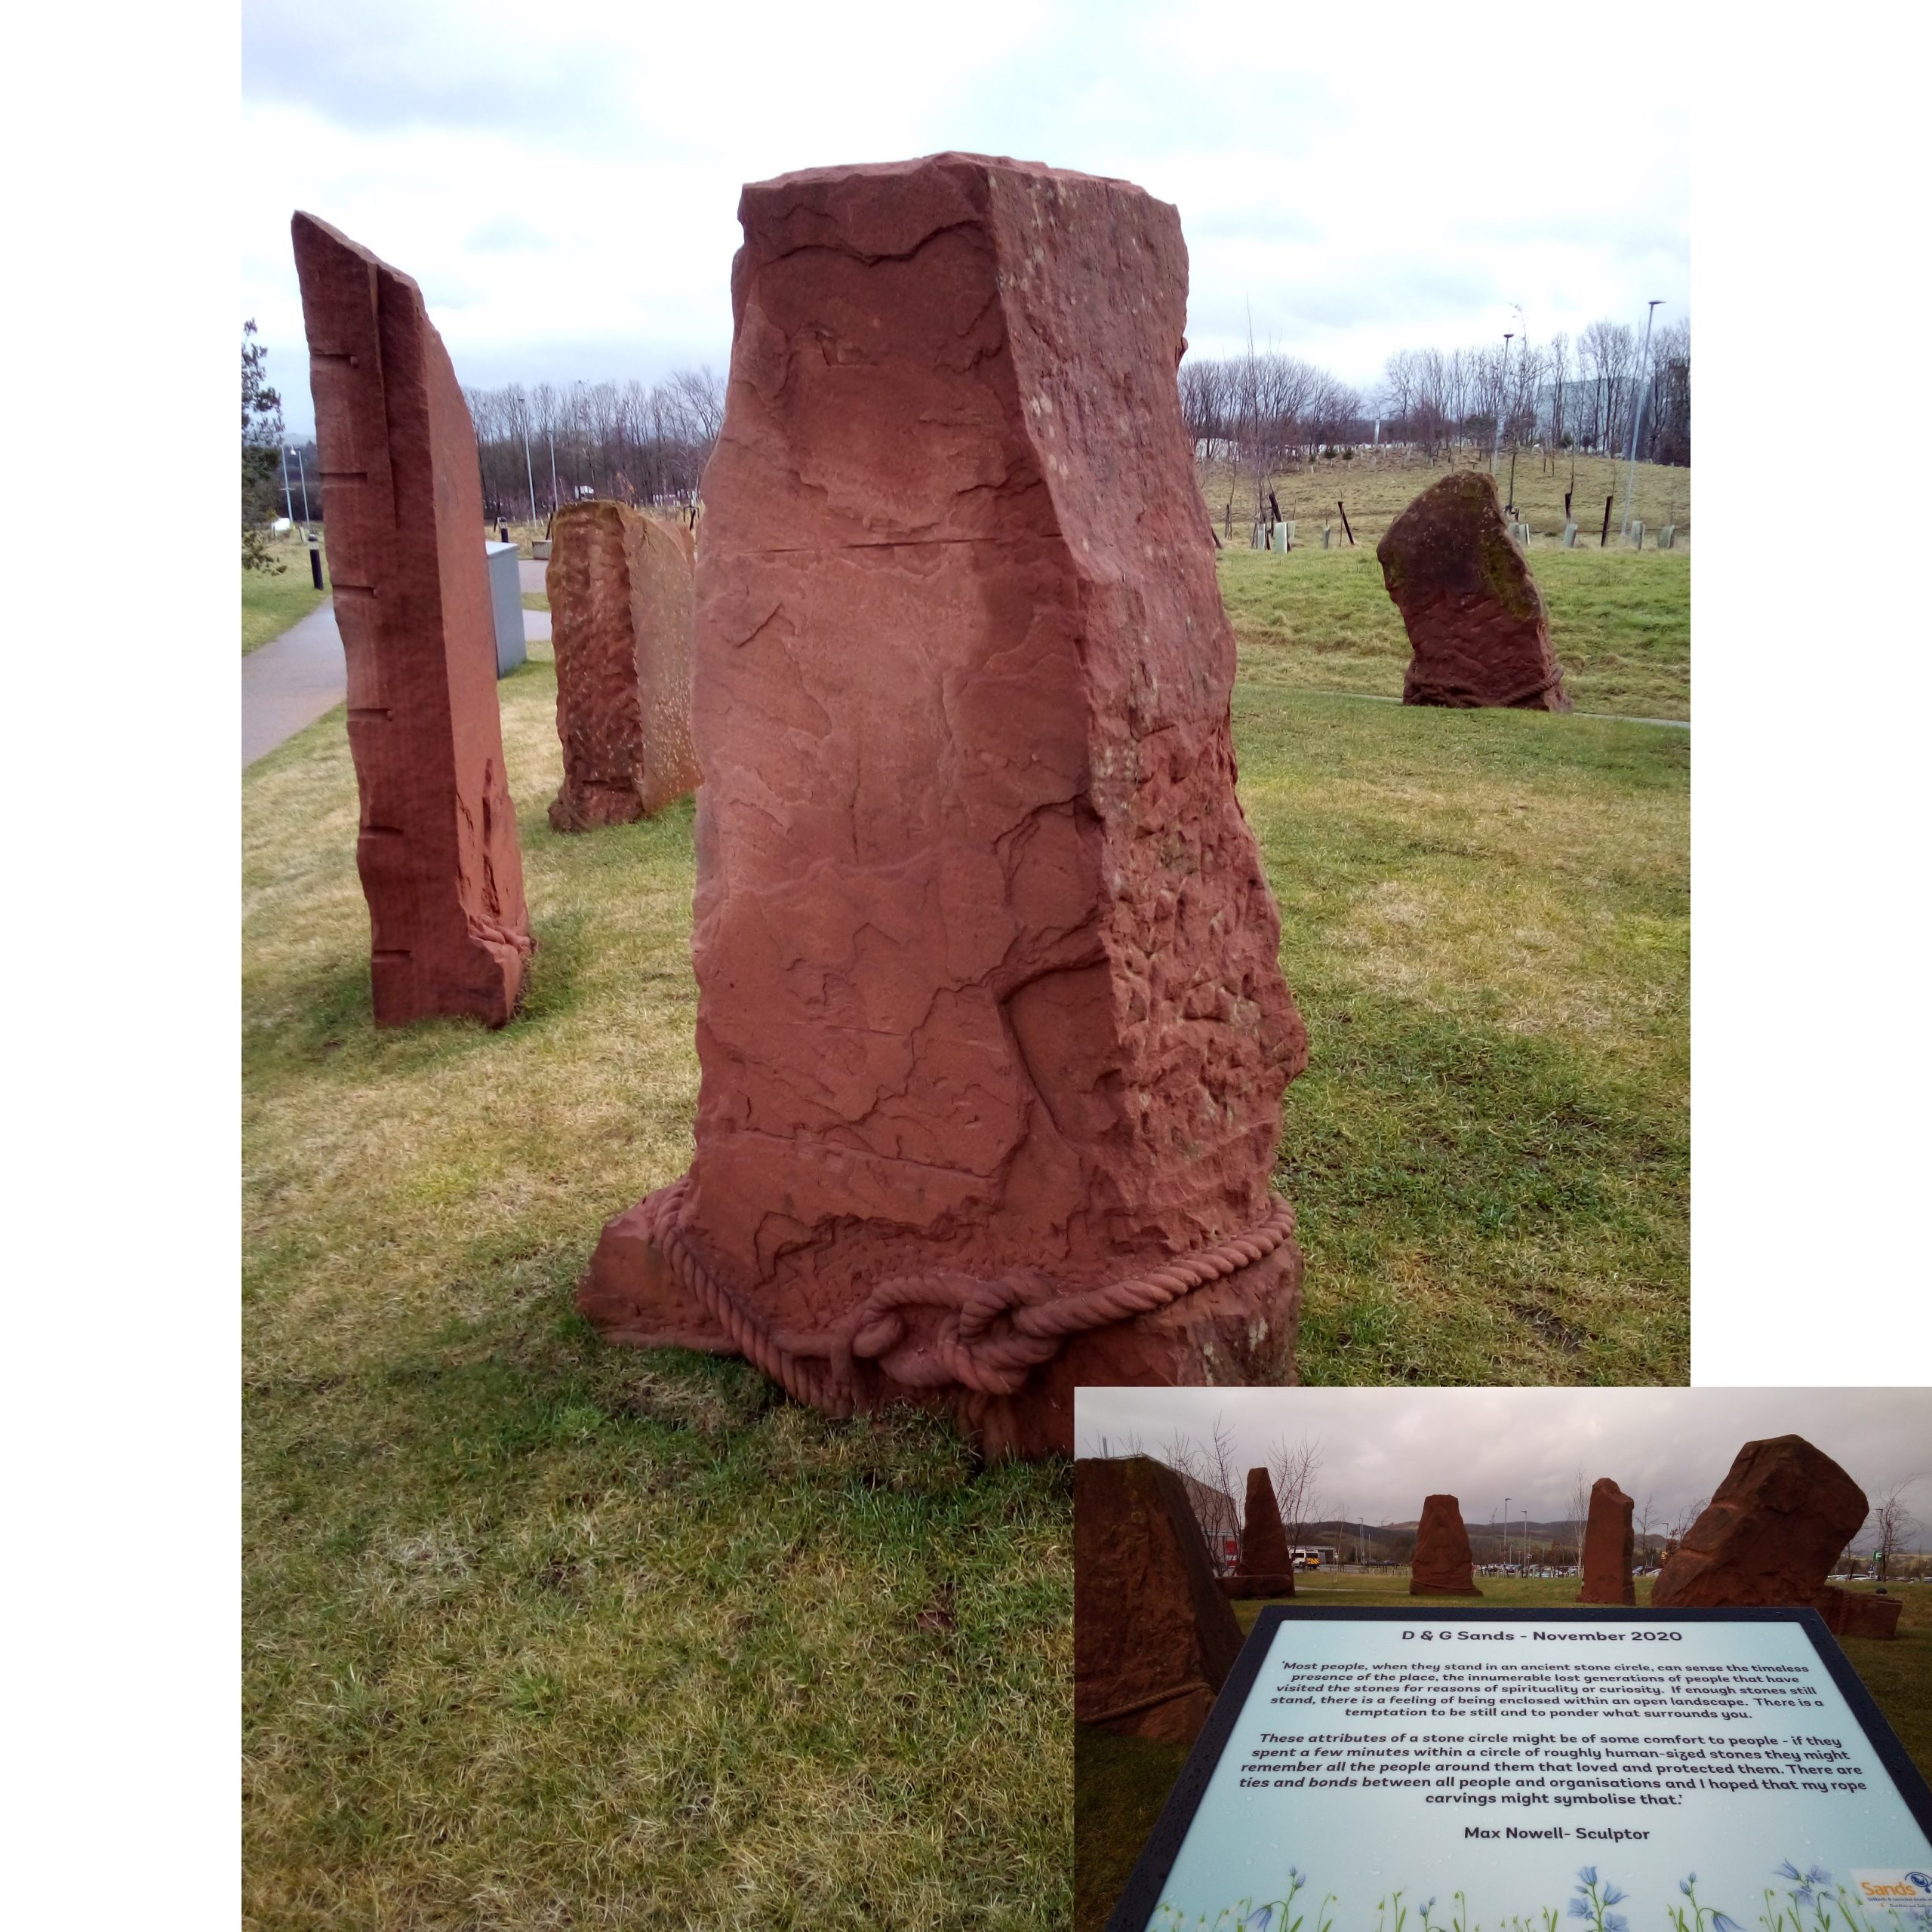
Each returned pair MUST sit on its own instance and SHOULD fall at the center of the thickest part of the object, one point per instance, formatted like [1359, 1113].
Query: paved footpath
[292, 680]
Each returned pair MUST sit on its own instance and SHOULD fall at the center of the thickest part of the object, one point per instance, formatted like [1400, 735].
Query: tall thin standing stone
[1266, 1568]
[1609, 1546]
[403, 507]
[620, 592]
[992, 1027]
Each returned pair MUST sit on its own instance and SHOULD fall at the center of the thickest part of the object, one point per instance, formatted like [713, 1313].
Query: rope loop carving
[992, 1334]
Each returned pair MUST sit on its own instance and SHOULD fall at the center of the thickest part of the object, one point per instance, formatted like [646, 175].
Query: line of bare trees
[1559, 394]
[537, 447]
[1265, 414]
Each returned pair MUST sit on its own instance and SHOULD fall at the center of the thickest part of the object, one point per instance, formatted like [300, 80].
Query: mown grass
[1619, 623]
[1485, 921]
[541, 1632]
[271, 600]
[1121, 1783]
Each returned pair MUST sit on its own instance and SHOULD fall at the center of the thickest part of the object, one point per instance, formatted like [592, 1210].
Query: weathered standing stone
[1771, 1533]
[1153, 1637]
[437, 846]
[621, 602]
[1443, 1566]
[993, 1034]
[1853, 1613]
[1473, 612]
[1265, 1568]
[1609, 1546]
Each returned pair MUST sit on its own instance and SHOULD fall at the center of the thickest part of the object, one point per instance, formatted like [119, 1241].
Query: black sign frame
[1142, 1895]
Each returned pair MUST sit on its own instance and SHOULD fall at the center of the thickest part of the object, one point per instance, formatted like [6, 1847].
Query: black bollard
[315, 563]
[503, 533]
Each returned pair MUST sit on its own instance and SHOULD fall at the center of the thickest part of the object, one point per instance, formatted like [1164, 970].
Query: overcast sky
[564, 185]
[1383, 1450]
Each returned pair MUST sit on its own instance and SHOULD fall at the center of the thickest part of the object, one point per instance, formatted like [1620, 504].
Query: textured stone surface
[621, 604]
[1265, 1568]
[1153, 1638]
[1443, 1566]
[1856, 1613]
[992, 1031]
[1609, 1546]
[1473, 612]
[403, 505]
[1778, 1522]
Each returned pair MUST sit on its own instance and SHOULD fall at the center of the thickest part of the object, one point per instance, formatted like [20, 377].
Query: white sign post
[1425, 1770]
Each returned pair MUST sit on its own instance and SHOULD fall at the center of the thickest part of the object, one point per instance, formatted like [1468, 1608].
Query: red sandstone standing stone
[1609, 1546]
[992, 1029]
[1770, 1534]
[1443, 1565]
[1474, 615]
[1265, 1569]
[437, 846]
[620, 591]
[1153, 1638]
[1854, 1613]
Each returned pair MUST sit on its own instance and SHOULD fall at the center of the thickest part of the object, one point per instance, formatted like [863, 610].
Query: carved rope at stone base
[1160, 1697]
[998, 1332]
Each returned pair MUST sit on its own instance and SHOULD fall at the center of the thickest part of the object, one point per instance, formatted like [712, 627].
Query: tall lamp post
[303, 475]
[1495, 451]
[1637, 414]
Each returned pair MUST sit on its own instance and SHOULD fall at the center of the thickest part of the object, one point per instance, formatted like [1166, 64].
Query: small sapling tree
[261, 451]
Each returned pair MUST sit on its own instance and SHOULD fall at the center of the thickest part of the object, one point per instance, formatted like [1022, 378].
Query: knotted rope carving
[992, 1335]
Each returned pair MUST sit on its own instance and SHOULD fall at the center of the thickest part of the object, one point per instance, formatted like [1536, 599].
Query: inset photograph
[1439, 1659]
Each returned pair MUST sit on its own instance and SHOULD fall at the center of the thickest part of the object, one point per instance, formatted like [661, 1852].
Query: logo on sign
[1895, 1887]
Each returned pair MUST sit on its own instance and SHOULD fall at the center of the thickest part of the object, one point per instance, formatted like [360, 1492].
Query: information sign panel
[1439, 1769]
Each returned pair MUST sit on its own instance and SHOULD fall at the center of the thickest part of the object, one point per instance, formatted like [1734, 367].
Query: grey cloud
[384, 68]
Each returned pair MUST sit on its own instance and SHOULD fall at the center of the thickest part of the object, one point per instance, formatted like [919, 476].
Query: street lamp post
[1495, 451]
[304, 474]
[529, 475]
[1637, 414]
[288, 496]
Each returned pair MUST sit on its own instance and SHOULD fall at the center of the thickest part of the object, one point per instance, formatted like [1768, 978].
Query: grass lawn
[1485, 921]
[1620, 624]
[271, 600]
[1120, 1783]
[542, 1632]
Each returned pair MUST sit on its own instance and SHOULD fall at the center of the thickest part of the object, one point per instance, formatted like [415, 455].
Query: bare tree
[1890, 1523]
[1293, 1468]
[1579, 1508]
[1681, 1524]
[1207, 1470]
